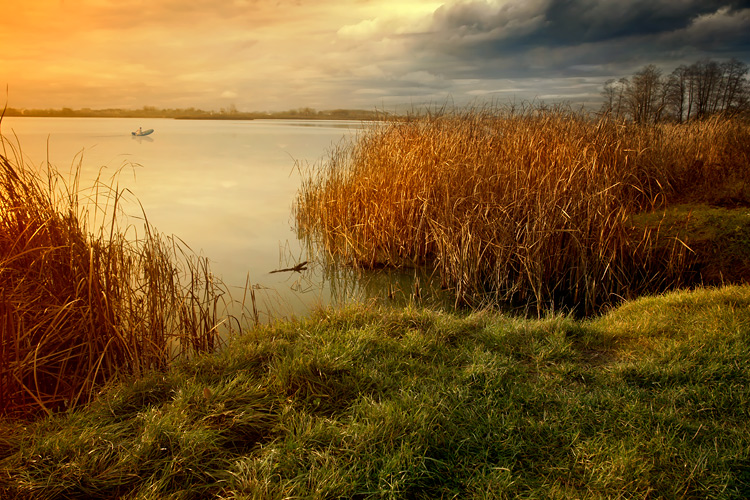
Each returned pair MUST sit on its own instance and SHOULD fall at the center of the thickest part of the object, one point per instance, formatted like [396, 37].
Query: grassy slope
[718, 237]
[650, 400]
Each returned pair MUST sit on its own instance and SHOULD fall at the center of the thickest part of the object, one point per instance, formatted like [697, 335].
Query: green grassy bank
[651, 400]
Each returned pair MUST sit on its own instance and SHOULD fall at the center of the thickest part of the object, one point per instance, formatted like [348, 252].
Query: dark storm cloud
[575, 21]
[590, 21]
[527, 37]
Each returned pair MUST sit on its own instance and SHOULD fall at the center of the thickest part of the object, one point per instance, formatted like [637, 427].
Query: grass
[532, 207]
[648, 401]
[86, 295]
[719, 238]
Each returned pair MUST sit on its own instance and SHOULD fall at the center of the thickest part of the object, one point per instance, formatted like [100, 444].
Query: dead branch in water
[302, 266]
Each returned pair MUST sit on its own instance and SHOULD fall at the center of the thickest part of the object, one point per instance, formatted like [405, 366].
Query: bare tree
[707, 82]
[645, 95]
[608, 93]
[742, 100]
[733, 72]
[677, 94]
[614, 97]
[690, 92]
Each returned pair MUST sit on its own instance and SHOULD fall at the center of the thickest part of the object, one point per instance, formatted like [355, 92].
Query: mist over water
[225, 188]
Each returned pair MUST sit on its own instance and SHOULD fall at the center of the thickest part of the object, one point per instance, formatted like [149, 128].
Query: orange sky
[281, 54]
[172, 53]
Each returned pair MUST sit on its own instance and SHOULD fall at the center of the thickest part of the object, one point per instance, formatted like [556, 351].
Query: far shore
[198, 114]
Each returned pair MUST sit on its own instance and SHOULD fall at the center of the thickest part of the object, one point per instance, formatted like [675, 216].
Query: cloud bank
[280, 54]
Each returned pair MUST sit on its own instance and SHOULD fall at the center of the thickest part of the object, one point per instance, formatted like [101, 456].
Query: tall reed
[80, 305]
[531, 207]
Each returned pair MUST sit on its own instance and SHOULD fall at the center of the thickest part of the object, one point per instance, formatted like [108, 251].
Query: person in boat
[140, 131]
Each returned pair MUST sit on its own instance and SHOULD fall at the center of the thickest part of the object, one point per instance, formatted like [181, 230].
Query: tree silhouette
[702, 89]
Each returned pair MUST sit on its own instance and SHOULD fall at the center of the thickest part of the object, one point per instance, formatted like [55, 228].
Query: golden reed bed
[531, 207]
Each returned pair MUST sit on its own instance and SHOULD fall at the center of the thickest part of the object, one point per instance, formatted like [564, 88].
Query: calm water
[226, 188]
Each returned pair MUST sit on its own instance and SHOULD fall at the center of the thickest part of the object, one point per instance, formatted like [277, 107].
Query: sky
[273, 55]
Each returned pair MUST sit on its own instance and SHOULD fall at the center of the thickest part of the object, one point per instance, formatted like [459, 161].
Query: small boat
[140, 133]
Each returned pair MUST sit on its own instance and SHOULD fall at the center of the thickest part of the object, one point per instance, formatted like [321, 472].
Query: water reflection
[386, 286]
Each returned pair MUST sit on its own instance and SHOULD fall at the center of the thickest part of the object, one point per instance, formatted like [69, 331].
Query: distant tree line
[230, 113]
[702, 89]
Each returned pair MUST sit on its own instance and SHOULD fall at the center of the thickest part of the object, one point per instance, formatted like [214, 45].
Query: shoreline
[197, 114]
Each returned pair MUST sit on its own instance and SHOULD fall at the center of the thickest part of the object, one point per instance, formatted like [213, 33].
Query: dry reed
[530, 207]
[78, 308]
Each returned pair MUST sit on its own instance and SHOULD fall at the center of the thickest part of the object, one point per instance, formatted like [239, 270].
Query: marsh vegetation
[88, 294]
[533, 207]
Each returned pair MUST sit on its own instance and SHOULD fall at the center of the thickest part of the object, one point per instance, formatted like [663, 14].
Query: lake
[226, 188]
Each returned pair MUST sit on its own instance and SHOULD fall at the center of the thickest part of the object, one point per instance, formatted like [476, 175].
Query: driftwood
[302, 266]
